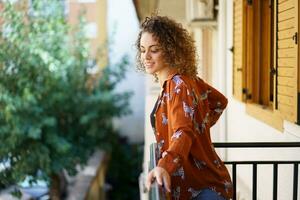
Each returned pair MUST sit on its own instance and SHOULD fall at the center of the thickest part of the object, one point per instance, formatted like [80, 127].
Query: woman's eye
[151, 50]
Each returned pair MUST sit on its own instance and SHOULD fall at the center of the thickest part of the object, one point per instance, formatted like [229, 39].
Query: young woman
[186, 108]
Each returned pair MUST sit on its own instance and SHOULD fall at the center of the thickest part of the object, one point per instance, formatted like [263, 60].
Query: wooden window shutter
[287, 58]
[237, 49]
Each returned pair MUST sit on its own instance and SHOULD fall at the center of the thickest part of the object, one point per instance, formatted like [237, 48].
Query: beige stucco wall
[95, 12]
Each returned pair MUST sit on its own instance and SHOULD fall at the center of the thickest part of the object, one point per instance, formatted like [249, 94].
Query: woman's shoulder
[179, 80]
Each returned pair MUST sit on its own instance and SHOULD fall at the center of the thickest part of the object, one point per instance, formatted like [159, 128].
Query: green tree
[50, 120]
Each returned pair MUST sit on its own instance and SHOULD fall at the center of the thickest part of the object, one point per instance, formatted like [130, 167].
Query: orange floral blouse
[186, 109]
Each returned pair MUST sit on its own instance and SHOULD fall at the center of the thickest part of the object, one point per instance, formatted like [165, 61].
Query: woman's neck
[163, 74]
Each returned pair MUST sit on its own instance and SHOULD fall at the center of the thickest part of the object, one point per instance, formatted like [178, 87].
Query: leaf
[34, 132]
[60, 144]
[49, 121]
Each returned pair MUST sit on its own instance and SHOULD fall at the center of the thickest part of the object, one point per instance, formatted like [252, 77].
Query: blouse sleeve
[217, 103]
[180, 114]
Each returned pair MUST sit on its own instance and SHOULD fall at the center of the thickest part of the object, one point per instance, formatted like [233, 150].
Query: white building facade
[218, 46]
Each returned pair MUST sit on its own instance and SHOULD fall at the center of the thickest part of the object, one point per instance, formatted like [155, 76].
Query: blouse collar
[170, 76]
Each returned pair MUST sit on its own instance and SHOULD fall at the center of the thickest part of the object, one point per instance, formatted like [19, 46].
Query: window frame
[252, 94]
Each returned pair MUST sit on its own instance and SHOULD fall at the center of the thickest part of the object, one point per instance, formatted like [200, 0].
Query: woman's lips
[148, 65]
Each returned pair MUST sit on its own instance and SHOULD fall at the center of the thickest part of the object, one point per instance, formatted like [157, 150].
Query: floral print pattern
[200, 164]
[176, 135]
[179, 172]
[189, 111]
[194, 193]
[164, 119]
[176, 193]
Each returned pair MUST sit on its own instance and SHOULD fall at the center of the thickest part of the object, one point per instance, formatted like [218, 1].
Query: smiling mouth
[148, 64]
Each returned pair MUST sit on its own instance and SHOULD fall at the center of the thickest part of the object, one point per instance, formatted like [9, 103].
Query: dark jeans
[207, 194]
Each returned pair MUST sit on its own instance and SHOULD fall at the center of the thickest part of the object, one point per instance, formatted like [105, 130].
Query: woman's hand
[162, 177]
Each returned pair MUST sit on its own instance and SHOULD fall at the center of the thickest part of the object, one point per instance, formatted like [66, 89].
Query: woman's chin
[149, 71]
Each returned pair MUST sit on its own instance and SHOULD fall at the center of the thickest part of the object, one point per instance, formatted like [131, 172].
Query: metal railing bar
[234, 180]
[152, 156]
[295, 188]
[266, 162]
[153, 193]
[275, 181]
[254, 182]
[255, 144]
[156, 191]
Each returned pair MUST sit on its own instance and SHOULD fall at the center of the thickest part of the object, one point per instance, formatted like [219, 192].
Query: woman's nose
[147, 55]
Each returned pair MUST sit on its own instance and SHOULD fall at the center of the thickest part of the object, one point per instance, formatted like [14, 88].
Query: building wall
[242, 127]
[123, 29]
[114, 32]
[174, 9]
[235, 124]
[95, 13]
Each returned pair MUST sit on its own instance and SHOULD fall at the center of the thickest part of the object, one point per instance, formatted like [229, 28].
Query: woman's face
[151, 54]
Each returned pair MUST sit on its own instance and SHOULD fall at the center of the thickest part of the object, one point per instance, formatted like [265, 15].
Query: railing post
[234, 180]
[156, 192]
[275, 180]
[153, 193]
[254, 182]
[295, 188]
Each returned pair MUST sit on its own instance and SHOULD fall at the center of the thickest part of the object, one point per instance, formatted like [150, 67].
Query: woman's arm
[217, 103]
[180, 119]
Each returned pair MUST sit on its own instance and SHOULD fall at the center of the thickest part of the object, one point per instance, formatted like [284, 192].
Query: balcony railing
[157, 192]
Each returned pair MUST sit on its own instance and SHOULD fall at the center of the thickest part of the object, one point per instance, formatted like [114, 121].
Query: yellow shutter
[238, 21]
[287, 58]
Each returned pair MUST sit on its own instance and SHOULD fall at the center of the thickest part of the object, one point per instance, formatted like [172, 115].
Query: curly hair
[178, 46]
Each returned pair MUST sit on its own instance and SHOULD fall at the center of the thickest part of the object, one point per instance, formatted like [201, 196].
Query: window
[265, 59]
[260, 69]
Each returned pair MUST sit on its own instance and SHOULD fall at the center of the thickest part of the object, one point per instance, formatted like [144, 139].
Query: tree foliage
[124, 169]
[49, 120]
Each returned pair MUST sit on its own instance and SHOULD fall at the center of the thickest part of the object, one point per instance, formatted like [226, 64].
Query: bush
[124, 169]
[50, 120]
